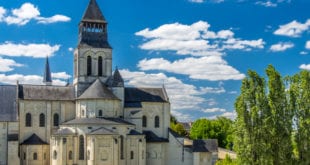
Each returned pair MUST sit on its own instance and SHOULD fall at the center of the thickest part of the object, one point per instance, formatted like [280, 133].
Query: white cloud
[195, 39]
[305, 66]
[26, 13]
[197, 1]
[7, 65]
[266, 4]
[181, 117]
[230, 115]
[303, 52]
[181, 95]
[213, 90]
[70, 49]
[293, 29]
[211, 68]
[308, 45]
[28, 50]
[61, 75]
[213, 110]
[26, 79]
[2, 12]
[53, 19]
[281, 46]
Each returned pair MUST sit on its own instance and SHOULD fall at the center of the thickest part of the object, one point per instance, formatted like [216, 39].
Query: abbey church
[97, 120]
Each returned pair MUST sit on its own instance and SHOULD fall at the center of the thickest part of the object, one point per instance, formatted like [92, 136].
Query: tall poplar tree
[300, 103]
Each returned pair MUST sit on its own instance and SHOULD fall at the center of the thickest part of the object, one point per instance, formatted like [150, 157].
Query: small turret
[47, 78]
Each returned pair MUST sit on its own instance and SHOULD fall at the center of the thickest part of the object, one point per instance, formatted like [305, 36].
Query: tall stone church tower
[93, 55]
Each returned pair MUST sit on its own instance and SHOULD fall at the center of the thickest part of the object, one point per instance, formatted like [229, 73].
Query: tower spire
[47, 78]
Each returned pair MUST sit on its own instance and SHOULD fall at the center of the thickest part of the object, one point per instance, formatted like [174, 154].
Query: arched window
[100, 66]
[100, 113]
[156, 122]
[70, 155]
[122, 147]
[88, 65]
[55, 154]
[56, 120]
[42, 120]
[35, 156]
[144, 121]
[28, 120]
[81, 147]
[131, 155]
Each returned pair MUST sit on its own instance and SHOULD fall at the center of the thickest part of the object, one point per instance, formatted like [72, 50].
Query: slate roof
[152, 137]
[117, 80]
[134, 96]
[93, 12]
[134, 132]
[8, 109]
[103, 131]
[97, 121]
[65, 131]
[43, 92]
[34, 140]
[209, 145]
[97, 91]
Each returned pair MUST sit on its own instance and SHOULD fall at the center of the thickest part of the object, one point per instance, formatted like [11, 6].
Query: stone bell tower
[93, 55]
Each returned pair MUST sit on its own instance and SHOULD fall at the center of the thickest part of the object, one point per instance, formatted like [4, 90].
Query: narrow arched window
[55, 154]
[28, 120]
[100, 66]
[100, 113]
[122, 147]
[131, 155]
[42, 120]
[88, 65]
[81, 147]
[70, 155]
[156, 122]
[35, 156]
[144, 121]
[56, 120]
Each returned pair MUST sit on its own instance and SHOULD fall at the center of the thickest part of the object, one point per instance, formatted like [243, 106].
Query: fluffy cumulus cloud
[195, 40]
[266, 3]
[211, 68]
[61, 75]
[305, 66]
[281, 46]
[308, 45]
[293, 29]
[28, 50]
[7, 65]
[213, 110]
[227, 114]
[26, 79]
[27, 12]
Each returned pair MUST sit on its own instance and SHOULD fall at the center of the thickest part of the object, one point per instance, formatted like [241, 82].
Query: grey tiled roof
[136, 95]
[34, 140]
[8, 109]
[152, 137]
[133, 105]
[97, 91]
[43, 92]
[93, 12]
[103, 131]
[209, 145]
[134, 132]
[96, 121]
[65, 131]
[117, 80]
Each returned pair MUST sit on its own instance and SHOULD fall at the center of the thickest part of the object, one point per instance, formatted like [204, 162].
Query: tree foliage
[220, 129]
[272, 117]
[177, 127]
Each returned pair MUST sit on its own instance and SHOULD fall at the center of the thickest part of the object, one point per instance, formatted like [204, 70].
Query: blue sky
[199, 49]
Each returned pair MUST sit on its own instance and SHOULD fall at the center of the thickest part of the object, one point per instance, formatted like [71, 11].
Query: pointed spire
[47, 79]
[117, 79]
[93, 12]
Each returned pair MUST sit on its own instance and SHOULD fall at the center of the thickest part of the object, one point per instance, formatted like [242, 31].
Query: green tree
[220, 129]
[299, 93]
[177, 127]
[226, 161]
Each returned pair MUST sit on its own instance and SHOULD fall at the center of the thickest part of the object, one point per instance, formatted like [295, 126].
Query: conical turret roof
[93, 13]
